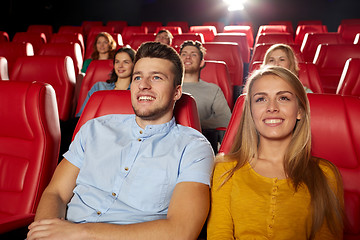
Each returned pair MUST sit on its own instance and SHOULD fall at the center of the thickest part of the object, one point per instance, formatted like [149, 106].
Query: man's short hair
[162, 51]
[168, 33]
[196, 44]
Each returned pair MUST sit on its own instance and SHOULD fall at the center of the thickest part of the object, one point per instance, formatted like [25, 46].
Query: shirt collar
[154, 129]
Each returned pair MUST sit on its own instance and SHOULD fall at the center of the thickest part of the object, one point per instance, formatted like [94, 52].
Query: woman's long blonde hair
[299, 166]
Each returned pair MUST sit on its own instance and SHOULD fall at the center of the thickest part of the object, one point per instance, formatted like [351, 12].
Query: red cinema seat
[229, 53]
[72, 50]
[36, 39]
[350, 21]
[357, 39]
[130, 30]
[209, 32]
[240, 39]
[172, 29]
[183, 24]
[4, 70]
[46, 29]
[336, 137]
[58, 71]
[70, 29]
[288, 25]
[242, 29]
[151, 25]
[301, 30]
[69, 38]
[12, 50]
[312, 40]
[180, 38]
[349, 83]
[217, 72]
[102, 103]
[139, 38]
[117, 25]
[309, 22]
[218, 25]
[274, 29]
[273, 38]
[29, 148]
[98, 71]
[4, 36]
[330, 60]
[87, 25]
[348, 32]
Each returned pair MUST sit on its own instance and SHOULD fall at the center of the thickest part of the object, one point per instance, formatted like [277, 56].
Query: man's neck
[191, 77]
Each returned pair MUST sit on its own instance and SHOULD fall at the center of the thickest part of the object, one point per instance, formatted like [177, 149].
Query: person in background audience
[164, 36]
[269, 186]
[284, 56]
[103, 48]
[120, 76]
[129, 176]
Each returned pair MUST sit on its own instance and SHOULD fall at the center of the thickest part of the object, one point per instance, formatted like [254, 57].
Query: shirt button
[270, 226]
[141, 132]
[98, 212]
[114, 194]
[126, 169]
[139, 139]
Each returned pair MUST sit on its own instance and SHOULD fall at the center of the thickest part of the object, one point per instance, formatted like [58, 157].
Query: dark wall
[18, 14]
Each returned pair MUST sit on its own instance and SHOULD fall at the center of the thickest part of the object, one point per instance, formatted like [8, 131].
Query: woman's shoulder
[223, 164]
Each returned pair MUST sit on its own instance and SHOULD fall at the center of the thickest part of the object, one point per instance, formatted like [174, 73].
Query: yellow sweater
[251, 206]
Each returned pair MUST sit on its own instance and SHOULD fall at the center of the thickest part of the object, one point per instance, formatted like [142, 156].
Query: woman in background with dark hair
[120, 77]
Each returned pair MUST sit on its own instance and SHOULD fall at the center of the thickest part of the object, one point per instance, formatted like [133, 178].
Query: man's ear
[202, 64]
[178, 92]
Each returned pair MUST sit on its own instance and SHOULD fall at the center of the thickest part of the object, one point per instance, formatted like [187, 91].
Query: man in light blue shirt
[136, 176]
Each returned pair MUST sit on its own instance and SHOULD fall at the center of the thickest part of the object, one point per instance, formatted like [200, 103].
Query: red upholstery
[240, 39]
[209, 32]
[216, 72]
[69, 38]
[301, 30]
[180, 38]
[288, 25]
[242, 29]
[229, 53]
[58, 71]
[70, 29]
[349, 31]
[4, 36]
[335, 137]
[102, 103]
[12, 50]
[183, 24]
[218, 25]
[4, 70]
[128, 31]
[274, 29]
[309, 22]
[312, 40]
[350, 78]
[46, 29]
[151, 25]
[36, 39]
[29, 148]
[172, 29]
[87, 25]
[357, 39]
[72, 50]
[273, 38]
[330, 60]
[139, 38]
[98, 71]
[117, 25]
[350, 21]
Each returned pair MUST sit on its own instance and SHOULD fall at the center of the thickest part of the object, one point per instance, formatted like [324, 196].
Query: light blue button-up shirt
[127, 174]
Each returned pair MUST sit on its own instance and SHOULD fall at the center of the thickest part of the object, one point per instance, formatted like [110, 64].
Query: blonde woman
[269, 186]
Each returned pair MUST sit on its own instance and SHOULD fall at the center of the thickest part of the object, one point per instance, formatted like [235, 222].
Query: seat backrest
[337, 140]
[273, 38]
[4, 36]
[309, 22]
[87, 25]
[98, 71]
[217, 72]
[4, 70]
[69, 38]
[288, 24]
[70, 29]
[128, 31]
[242, 29]
[58, 71]
[180, 38]
[349, 83]
[12, 50]
[218, 25]
[209, 32]
[240, 39]
[229, 53]
[301, 30]
[151, 25]
[102, 103]
[139, 38]
[172, 29]
[46, 29]
[36, 39]
[72, 50]
[183, 24]
[312, 40]
[349, 31]
[330, 60]
[29, 149]
[117, 25]
[273, 29]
